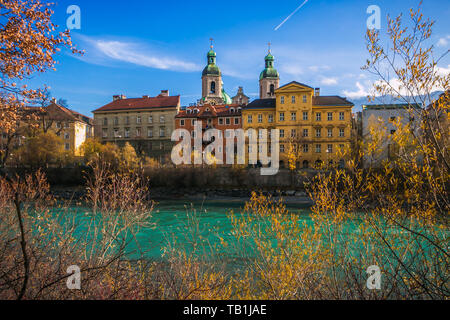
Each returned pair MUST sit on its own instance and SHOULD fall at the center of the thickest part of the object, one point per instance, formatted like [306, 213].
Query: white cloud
[103, 52]
[319, 68]
[132, 53]
[329, 81]
[359, 93]
[443, 42]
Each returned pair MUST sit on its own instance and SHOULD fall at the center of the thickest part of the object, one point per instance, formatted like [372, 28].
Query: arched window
[272, 89]
[213, 87]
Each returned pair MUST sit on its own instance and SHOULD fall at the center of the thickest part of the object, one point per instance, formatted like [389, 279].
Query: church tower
[269, 80]
[212, 84]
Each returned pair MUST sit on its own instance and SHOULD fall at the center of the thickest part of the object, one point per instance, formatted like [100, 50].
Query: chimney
[119, 97]
[54, 100]
[164, 93]
[145, 97]
[317, 92]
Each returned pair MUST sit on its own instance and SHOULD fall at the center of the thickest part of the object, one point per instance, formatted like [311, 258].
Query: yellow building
[72, 127]
[313, 128]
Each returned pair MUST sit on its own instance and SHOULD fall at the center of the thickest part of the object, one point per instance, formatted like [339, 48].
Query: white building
[379, 122]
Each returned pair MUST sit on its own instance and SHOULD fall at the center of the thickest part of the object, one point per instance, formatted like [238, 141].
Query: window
[293, 99]
[393, 131]
[305, 116]
[127, 132]
[162, 119]
[272, 90]
[282, 100]
[330, 133]
[341, 147]
[58, 125]
[318, 148]
[341, 116]
[220, 121]
[67, 146]
[66, 125]
[270, 118]
[116, 121]
[162, 132]
[213, 87]
[182, 122]
[228, 121]
[282, 133]
[138, 119]
[282, 148]
[150, 119]
[236, 121]
[330, 116]
[293, 116]
[305, 148]
[127, 120]
[341, 133]
[260, 118]
[305, 133]
[105, 133]
[293, 133]
[66, 136]
[250, 119]
[318, 116]
[138, 132]
[150, 132]
[281, 116]
[193, 122]
[392, 119]
[318, 133]
[330, 148]
[305, 99]
[105, 121]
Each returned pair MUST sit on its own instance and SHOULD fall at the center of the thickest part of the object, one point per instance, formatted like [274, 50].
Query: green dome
[269, 71]
[211, 69]
[226, 98]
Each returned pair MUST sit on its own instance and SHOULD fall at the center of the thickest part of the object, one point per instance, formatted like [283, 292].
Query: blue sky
[139, 47]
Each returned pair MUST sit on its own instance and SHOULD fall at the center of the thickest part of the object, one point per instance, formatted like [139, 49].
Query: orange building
[220, 117]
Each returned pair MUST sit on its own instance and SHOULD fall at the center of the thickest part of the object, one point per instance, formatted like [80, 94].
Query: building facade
[146, 123]
[380, 122]
[72, 127]
[313, 128]
[220, 117]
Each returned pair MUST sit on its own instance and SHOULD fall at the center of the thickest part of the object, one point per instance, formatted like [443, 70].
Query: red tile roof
[214, 111]
[141, 103]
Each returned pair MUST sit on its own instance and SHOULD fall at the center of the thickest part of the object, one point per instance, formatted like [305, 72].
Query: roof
[391, 106]
[57, 112]
[214, 111]
[141, 104]
[331, 101]
[295, 82]
[262, 104]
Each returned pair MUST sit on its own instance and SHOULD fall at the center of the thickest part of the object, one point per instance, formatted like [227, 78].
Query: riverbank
[70, 193]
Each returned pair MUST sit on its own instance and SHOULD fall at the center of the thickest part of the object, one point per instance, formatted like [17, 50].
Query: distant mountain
[387, 100]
